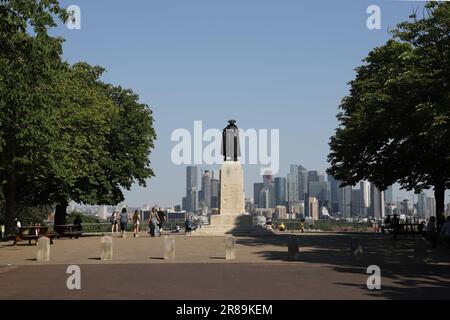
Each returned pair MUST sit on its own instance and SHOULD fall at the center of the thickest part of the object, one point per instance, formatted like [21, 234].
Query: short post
[43, 249]
[420, 250]
[293, 248]
[230, 247]
[169, 248]
[356, 248]
[107, 248]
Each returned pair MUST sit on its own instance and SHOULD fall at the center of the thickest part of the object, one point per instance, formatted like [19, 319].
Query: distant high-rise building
[191, 178]
[389, 194]
[302, 183]
[364, 186]
[422, 205]
[321, 191]
[257, 188]
[377, 207]
[280, 191]
[334, 191]
[292, 184]
[206, 188]
[313, 206]
[264, 199]
[215, 186]
[431, 207]
[192, 188]
[345, 201]
[184, 204]
[356, 203]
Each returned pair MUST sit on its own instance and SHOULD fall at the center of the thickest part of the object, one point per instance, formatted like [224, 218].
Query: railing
[104, 228]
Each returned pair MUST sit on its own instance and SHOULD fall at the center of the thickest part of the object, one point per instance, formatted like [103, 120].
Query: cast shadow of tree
[404, 277]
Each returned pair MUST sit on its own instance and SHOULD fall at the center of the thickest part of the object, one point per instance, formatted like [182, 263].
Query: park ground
[261, 270]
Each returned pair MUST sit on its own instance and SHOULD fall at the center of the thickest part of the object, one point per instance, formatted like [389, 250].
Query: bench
[68, 231]
[407, 229]
[33, 233]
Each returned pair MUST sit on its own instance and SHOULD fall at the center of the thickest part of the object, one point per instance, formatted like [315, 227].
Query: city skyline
[266, 68]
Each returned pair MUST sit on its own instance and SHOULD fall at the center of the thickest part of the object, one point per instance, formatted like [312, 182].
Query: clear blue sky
[267, 64]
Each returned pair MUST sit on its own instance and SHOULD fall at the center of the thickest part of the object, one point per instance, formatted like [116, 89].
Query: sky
[267, 64]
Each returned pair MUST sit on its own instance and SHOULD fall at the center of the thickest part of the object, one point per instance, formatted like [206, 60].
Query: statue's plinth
[232, 218]
[232, 199]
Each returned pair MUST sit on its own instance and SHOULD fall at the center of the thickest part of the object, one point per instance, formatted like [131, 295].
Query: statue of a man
[230, 142]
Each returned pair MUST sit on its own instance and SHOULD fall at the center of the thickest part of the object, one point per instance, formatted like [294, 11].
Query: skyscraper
[345, 201]
[334, 190]
[321, 191]
[377, 207]
[215, 185]
[206, 188]
[191, 188]
[422, 205]
[356, 203]
[431, 207]
[389, 194]
[365, 197]
[313, 208]
[257, 188]
[280, 191]
[302, 183]
[292, 184]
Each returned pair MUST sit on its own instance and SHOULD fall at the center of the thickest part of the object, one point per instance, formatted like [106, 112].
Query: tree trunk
[10, 204]
[60, 215]
[439, 195]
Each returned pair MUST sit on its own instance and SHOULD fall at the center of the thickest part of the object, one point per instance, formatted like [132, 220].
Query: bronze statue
[230, 142]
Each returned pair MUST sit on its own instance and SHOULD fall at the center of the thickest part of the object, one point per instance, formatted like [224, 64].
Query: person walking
[154, 223]
[432, 234]
[113, 220]
[162, 219]
[136, 223]
[123, 222]
[188, 225]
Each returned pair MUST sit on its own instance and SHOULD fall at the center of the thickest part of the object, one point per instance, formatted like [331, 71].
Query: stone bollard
[169, 248]
[293, 248]
[230, 248]
[356, 248]
[420, 250]
[107, 248]
[43, 249]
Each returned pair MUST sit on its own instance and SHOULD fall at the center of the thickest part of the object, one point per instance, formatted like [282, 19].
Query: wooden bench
[68, 231]
[33, 233]
[407, 229]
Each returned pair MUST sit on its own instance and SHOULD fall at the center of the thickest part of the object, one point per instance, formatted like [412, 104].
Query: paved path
[261, 271]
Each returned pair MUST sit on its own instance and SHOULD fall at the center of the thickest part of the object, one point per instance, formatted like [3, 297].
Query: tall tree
[27, 67]
[65, 135]
[394, 125]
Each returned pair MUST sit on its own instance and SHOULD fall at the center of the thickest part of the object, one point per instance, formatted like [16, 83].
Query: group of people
[432, 231]
[119, 222]
[435, 230]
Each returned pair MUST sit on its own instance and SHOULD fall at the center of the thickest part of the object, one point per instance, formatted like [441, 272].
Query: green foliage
[395, 123]
[64, 134]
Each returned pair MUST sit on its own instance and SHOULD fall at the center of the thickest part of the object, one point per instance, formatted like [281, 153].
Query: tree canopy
[64, 133]
[395, 123]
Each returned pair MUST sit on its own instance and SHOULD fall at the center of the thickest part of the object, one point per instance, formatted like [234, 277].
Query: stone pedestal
[43, 249]
[107, 248]
[230, 248]
[232, 199]
[232, 218]
[169, 248]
